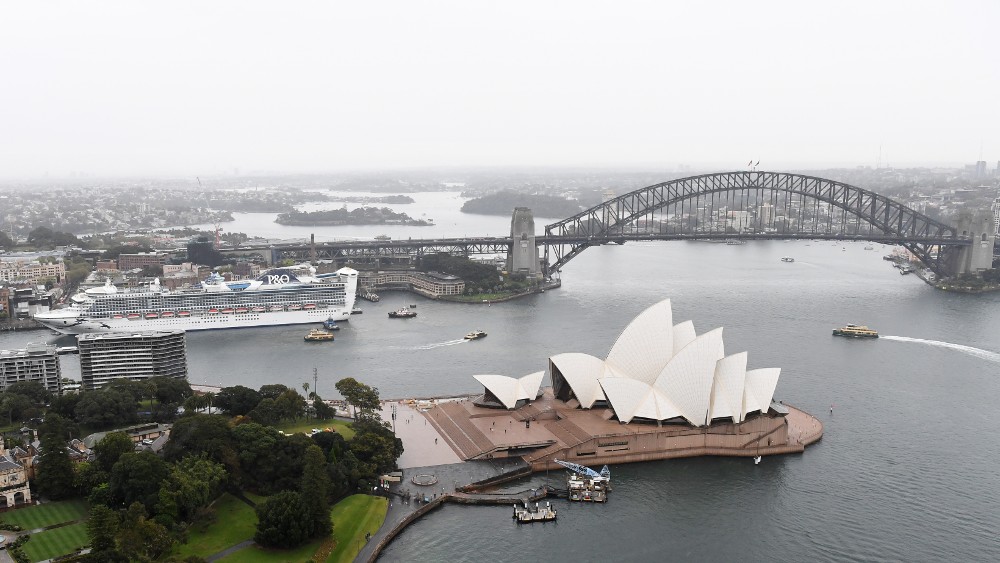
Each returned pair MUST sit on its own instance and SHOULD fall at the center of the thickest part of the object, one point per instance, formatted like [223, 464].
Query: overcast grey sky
[205, 87]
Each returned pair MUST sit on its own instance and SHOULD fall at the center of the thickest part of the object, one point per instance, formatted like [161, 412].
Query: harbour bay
[905, 470]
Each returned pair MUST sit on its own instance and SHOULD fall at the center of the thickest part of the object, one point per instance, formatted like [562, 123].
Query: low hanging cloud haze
[125, 88]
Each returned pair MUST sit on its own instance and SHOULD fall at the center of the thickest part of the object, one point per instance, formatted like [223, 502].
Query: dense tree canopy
[190, 485]
[358, 395]
[112, 447]
[31, 389]
[475, 274]
[281, 521]
[203, 434]
[46, 238]
[106, 408]
[504, 202]
[54, 475]
[237, 400]
[136, 477]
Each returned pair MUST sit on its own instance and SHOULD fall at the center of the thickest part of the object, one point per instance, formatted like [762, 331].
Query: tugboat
[330, 324]
[318, 335]
[475, 335]
[856, 331]
[404, 313]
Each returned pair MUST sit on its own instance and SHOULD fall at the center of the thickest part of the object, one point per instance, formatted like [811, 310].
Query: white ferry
[282, 296]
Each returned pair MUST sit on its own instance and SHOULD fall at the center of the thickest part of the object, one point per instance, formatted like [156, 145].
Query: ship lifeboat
[257, 309]
[295, 307]
[184, 314]
[276, 308]
[227, 311]
[134, 316]
[213, 311]
[151, 315]
[117, 316]
[167, 315]
[309, 306]
[242, 310]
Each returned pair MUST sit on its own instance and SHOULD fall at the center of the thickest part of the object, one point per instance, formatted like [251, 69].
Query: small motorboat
[787, 259]
[475, 335]
[318, 335]
[330, 324]
[404, 313]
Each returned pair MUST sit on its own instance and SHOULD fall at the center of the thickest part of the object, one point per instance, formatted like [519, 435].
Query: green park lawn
[352, 518]
[235, 521]
[60, 541]
[48, 514]
[343, 428]
[255, 554]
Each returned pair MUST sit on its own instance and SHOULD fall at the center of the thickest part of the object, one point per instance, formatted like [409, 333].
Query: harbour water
[907, 468]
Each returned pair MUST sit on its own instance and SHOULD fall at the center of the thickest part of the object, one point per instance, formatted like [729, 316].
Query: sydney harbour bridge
[726, 205]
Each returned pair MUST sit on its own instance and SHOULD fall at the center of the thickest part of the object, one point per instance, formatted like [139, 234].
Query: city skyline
[128, 90]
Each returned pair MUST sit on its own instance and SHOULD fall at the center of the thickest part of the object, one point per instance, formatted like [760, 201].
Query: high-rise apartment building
[36, 362]
[105, 357]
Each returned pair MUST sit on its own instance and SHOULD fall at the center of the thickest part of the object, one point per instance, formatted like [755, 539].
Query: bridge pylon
[522, 258]
[979, 227]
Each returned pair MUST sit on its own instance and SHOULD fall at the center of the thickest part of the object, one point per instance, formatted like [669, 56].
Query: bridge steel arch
[865, 215]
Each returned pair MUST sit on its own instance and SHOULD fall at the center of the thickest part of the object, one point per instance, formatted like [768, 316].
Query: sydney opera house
[662, 391]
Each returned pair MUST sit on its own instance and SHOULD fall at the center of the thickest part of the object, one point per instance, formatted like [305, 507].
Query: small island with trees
[393, 199]
[359, 216]
[500, 203]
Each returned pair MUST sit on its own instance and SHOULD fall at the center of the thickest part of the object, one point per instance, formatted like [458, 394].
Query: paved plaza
[423, 446]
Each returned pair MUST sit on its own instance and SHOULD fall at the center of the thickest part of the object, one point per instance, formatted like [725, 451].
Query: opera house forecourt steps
[663, 391]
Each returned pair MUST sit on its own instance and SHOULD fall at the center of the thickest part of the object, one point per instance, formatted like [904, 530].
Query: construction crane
[603, 475]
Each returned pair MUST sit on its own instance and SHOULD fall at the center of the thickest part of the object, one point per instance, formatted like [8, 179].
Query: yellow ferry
[856, 331]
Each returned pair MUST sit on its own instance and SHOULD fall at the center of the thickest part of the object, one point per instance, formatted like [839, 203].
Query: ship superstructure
[281, 296]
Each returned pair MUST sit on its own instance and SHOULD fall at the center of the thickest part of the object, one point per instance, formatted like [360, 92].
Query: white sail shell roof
[658, 371]
[687, 378]
[727, 389]
[646, 344]
[509, 390]
[759, 391]
[582, 372]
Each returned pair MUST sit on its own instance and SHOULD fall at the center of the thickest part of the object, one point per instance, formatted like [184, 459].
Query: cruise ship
[281, 296]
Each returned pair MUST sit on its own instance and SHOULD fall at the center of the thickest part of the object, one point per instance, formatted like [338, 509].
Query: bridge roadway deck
[485, 245]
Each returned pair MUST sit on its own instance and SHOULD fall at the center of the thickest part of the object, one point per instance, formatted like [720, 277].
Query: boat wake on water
[971, 350]
[441, 344]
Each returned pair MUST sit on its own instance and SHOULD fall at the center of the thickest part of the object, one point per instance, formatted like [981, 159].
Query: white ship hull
[276, 298]
[76, 325]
